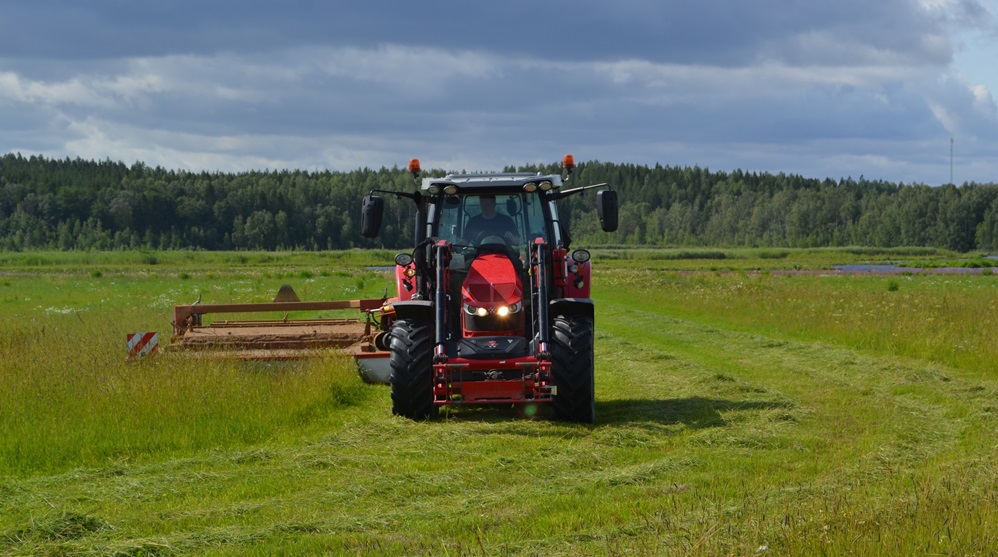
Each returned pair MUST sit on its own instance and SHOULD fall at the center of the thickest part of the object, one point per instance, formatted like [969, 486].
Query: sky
[821, 88]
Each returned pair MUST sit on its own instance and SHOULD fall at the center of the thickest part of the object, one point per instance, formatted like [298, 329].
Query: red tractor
[492, 307]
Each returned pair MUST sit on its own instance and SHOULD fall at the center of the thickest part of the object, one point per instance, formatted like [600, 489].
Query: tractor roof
[479, 183]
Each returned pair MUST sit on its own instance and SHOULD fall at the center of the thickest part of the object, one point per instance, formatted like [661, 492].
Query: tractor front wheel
[412, 369]
[573, 369]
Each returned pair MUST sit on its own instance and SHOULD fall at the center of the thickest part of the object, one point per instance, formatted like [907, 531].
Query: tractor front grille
[491, 347]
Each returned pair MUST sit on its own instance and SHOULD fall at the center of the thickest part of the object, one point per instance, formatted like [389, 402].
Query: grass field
[741, 411]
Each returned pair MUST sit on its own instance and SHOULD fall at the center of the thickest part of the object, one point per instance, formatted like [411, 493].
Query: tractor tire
[572, 369]
[412, 369]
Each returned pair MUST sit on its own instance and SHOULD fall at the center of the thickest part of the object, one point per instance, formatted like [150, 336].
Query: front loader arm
[442, 253]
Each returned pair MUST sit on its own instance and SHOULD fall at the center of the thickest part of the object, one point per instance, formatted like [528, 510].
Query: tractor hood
[492, 281]
[492, 296]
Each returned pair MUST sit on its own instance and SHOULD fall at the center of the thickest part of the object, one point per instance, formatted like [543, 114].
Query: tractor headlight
[471, 310]
[580, 256]
[503, 311]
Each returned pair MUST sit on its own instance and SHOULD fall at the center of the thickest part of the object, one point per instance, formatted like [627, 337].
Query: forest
[105, 205]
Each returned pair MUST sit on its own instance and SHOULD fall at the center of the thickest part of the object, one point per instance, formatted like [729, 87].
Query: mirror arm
[573, 191]
[413, 196]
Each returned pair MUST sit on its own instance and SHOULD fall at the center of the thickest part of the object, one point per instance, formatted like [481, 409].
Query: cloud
[74, 91]
[762, 85]
[715, 32]
[94, 138]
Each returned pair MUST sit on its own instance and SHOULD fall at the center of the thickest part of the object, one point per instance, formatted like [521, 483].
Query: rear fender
[414, 309]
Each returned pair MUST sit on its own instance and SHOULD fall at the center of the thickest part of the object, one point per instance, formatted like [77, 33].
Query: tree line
[104, 205]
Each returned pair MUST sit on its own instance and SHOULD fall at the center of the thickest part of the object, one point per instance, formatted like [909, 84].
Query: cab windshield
[513, 219]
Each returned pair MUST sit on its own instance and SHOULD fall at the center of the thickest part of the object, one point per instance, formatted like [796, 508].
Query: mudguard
[413, 309]
[572, 306]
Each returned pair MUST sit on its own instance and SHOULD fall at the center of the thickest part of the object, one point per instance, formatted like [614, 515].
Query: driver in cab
[490, 223]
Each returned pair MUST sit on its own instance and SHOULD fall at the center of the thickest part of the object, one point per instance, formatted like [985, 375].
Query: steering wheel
[487, 237]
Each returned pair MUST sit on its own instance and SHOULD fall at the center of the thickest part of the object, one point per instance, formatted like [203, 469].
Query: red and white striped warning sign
[141, 345]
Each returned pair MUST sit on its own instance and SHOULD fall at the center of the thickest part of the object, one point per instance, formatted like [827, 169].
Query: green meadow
[741, 410]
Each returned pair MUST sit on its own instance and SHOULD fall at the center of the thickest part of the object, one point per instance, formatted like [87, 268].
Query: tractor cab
[478, 218]
[490, 232]
[490, 302]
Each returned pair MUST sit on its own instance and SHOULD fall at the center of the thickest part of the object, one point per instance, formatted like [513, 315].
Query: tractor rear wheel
[573, 369]
[412, 369]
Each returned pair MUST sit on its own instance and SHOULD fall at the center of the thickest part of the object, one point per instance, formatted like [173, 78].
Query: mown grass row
[711, 442]
[820, 442]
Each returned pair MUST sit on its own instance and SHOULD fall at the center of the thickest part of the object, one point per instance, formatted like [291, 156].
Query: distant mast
[951, 161]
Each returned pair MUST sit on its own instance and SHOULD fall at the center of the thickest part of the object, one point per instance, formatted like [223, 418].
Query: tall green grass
[187, 259]
[68, 398]
[949, 319]
[745, 259]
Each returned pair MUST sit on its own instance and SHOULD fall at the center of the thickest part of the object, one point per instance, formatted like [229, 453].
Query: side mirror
[370, 215]
[606, 209]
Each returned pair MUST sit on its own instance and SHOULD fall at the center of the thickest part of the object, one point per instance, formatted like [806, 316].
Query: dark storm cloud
[706, 32]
